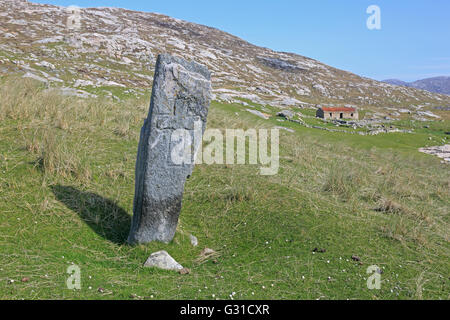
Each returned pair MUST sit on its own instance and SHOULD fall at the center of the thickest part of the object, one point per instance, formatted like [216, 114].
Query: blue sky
[413, 43]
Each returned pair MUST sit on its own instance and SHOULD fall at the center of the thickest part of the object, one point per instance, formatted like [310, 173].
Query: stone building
[337, 113]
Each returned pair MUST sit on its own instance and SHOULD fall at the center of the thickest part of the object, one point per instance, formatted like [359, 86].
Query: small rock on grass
[194, 240]
[162, 260]
[184, 271]
[207, 252]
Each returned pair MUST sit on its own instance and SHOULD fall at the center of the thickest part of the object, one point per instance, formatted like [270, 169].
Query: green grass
[66, 194]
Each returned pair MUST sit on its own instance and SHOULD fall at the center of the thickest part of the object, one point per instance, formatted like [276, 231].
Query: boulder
[288, 114]
[163, 260]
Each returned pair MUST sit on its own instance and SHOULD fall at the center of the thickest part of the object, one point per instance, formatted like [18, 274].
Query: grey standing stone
[180, 100]
[162, 260]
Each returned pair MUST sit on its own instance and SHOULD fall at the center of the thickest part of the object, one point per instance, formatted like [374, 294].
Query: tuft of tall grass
[26, 100]
[51, 124]
[343, 180]
[390, 206]
[238, 194]
[57, 158]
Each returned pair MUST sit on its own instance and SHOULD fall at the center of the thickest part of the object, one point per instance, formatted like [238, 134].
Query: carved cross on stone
[180, 102]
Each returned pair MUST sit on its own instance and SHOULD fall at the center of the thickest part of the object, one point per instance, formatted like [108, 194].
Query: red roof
[338, 109]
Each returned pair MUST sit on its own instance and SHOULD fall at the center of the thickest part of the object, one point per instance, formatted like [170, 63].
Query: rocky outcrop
[442, 152]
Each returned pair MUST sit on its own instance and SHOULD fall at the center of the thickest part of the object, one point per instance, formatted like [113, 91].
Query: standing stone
[178, 110]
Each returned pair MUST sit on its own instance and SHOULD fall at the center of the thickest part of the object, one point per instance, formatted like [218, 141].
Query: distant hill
[437, 84]
[397, 82]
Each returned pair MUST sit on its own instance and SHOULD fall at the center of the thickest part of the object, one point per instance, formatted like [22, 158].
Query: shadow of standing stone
[168, 144]
[102, 215]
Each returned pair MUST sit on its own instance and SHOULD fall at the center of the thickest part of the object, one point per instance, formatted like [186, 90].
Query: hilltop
[114, 53]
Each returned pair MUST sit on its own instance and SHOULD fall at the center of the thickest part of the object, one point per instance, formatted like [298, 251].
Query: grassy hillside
[66, 193]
